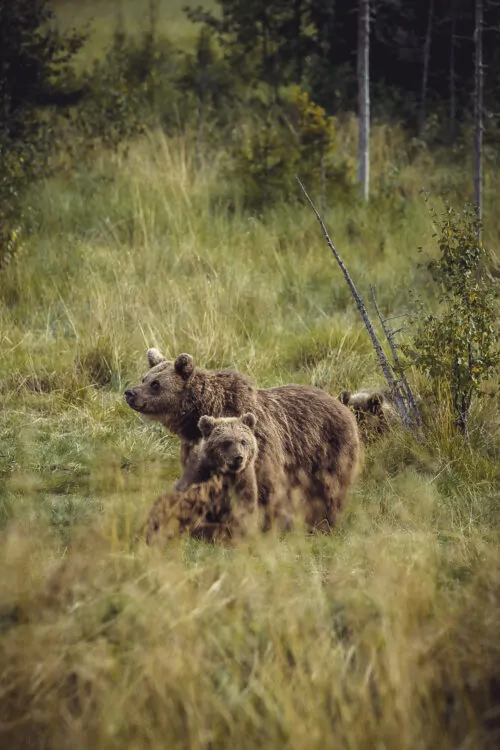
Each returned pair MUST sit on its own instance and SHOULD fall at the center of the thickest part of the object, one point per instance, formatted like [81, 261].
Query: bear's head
[374, 411]
[365, 402]
[162, 387]
[228, 447]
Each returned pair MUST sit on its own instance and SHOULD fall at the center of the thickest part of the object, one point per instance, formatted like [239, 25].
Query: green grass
[384, 634]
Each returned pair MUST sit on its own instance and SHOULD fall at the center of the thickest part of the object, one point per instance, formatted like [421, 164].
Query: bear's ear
[155, 357]
[374, 403]
[345, 397]
[206, 425]
[184, 365]
[249, 419]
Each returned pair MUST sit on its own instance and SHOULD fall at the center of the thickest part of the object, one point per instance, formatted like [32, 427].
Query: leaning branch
[408, 393]
[382, 359]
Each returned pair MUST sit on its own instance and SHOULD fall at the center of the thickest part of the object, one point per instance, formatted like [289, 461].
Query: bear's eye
[155, 385]
[226, 444]
[243, 443]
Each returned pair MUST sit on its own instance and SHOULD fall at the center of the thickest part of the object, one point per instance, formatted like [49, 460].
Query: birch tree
[452, 74]
[478, 112]
[364, 96]
[426, 64]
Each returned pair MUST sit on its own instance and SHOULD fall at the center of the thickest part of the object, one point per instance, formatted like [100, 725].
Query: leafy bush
[459, 343]
[296, 138]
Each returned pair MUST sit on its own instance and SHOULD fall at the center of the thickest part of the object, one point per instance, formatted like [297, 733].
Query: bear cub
[228, 450]
[374, 411]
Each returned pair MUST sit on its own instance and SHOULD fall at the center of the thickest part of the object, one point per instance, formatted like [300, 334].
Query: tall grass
[383, 634]
[387, 639]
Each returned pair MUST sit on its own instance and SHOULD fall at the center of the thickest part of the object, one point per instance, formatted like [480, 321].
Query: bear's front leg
[186, 450]
[245, 503]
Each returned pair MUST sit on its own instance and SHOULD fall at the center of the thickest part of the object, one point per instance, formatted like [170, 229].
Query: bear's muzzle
[130, 397]
[236, 462]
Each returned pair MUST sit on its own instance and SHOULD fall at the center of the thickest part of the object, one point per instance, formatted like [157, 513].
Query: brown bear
[374, 411]
[200, 512]
[228, 450]
[307, 439]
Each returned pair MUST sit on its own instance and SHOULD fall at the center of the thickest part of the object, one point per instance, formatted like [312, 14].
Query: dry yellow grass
[388, 639]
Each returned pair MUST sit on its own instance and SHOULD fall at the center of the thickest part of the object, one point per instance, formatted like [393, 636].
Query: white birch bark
[364, 96]
[478, 111]
[453, 89]
[426, 65]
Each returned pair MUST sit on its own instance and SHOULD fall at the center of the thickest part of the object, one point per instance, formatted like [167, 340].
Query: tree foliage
[33, 67]
[312, 43]
[459, 343]
[297, 138]
[269, 41]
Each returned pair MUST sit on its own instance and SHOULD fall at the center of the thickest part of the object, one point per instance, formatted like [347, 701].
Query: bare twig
[407, 391]
[395, 317]
[386, 331]
[382, 359]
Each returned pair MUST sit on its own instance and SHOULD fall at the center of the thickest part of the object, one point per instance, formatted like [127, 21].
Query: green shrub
[458, 345]
[293, 138]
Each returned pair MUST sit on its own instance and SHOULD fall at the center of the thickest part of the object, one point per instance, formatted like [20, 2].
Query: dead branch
[395, 317]
[407, 391]
[382, 359]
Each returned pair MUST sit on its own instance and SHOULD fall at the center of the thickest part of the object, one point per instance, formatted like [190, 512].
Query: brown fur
[306, 438]
[200, 512]
[228, 450]
[374, 411]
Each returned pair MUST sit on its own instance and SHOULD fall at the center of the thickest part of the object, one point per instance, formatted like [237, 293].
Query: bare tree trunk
[120, 19]
[153, 18]
[323, 184]
[297, 28]
[453, 89]
[404, 385]
[364, 96]
[478, 113]
[426, 65]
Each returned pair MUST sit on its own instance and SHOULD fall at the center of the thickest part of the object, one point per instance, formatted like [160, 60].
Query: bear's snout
[130, 396]
[236, 462]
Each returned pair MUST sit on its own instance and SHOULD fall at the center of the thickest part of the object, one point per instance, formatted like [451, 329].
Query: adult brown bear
[309, 446]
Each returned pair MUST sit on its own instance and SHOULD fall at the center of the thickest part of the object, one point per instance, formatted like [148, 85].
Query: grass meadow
[384, 634]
